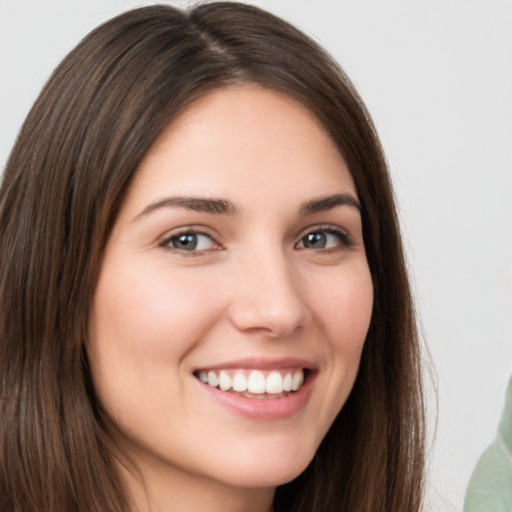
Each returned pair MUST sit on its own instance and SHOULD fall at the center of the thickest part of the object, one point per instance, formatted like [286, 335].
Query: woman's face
[234, 295]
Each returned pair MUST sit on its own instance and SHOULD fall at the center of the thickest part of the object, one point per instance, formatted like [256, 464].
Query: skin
[254, 287]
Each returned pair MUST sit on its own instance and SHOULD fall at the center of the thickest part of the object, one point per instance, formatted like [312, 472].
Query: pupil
[187, 242]
[316, 240]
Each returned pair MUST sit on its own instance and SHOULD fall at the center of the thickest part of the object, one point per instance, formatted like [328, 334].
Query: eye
[190, 242]
[321, 239]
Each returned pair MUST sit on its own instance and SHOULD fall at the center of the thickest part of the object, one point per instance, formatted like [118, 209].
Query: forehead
[239, 140]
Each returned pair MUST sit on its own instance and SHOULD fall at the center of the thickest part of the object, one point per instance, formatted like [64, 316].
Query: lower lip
[267, 409]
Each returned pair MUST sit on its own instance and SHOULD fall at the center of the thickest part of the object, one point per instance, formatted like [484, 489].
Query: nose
[267, 297]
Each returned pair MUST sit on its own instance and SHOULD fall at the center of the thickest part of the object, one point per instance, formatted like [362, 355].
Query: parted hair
[66, 177]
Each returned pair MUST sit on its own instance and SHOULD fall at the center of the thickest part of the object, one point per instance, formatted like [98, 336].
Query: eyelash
[345, 241]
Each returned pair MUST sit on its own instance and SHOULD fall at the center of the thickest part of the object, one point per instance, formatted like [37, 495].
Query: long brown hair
[66, 177]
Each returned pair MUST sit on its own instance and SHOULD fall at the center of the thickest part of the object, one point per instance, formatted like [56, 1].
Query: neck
[170, 490]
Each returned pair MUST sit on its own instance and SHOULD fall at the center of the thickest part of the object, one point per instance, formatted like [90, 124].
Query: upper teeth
[254, 381]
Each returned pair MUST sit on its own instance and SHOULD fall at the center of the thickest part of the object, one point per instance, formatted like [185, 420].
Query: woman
[204, 302]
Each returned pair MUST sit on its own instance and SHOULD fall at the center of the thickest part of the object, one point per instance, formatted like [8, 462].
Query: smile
[254, 383]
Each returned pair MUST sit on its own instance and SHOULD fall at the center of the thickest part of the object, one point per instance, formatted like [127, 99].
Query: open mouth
[277, 383]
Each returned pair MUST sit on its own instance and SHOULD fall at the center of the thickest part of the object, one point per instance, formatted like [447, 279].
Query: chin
[269, 471]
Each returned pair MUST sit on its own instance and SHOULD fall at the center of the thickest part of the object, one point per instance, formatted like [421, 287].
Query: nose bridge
[269, 296]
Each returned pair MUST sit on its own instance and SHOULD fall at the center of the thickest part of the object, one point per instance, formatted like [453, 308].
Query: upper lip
[261, 364]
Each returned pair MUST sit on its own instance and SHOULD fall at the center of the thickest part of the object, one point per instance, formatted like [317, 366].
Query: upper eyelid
[196, 229]
[324, 227]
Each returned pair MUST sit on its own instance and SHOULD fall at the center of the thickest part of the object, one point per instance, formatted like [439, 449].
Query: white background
[437, 77]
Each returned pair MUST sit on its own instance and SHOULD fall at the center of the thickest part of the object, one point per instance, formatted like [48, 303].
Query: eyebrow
[197, 204]
[225, 207]
[329, 202]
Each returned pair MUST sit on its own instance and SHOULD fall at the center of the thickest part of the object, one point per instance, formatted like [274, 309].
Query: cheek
[143, 325]
[344, 308]
[151, 311]
[342, 303]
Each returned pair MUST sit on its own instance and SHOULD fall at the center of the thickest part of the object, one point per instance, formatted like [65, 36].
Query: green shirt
[490, 487]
